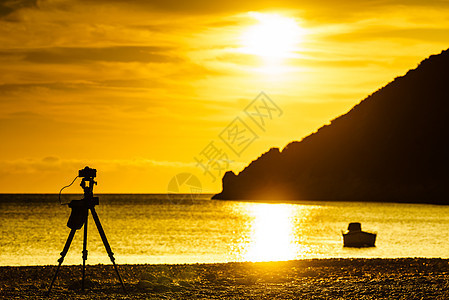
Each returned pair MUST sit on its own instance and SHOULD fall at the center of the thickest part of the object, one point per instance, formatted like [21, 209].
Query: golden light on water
[272, 234]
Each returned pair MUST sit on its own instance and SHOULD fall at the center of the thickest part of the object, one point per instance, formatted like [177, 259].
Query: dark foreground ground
[405, 278]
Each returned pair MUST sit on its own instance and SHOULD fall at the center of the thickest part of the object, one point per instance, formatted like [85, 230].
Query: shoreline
[333, 278]
[6, 197]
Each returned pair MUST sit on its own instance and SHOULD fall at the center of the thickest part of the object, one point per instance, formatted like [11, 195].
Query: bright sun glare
[272, 235]
[273, 38]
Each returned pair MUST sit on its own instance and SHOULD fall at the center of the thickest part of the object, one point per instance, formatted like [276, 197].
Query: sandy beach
[404, 278]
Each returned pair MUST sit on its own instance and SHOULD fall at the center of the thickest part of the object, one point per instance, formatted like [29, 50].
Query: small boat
[355, 237]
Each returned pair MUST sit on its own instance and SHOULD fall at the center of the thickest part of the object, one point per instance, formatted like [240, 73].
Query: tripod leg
[84, 251]
[106, 244]
[61, 259]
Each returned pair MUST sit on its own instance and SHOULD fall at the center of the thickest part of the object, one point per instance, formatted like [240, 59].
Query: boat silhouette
[355, 237]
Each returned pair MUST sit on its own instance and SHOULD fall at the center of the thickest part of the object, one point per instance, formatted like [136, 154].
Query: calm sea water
[162, 229]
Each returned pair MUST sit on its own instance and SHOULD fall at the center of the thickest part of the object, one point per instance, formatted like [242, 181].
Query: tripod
[78, 218]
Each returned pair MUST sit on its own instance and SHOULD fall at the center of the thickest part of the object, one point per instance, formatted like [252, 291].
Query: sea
[192, 228]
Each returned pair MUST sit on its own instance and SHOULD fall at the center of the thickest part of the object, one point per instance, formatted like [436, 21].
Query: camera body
[87, 172]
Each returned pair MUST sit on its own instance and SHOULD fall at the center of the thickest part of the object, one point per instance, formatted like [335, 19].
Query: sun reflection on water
[271, 235]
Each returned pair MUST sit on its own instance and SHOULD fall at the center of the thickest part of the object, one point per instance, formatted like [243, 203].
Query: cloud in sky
[126, 83]
[70, 55]
[52, 173]
[7, 7]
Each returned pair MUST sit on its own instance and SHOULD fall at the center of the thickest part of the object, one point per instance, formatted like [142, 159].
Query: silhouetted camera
[87, 173]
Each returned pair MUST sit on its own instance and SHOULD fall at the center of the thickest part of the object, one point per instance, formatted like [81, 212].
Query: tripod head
[80, 208]
[87, 182]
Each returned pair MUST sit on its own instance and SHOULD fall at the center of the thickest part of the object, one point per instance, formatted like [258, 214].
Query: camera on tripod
[78, 218]
[79, 208]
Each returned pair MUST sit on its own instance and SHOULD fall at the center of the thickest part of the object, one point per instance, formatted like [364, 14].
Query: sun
[274, 37]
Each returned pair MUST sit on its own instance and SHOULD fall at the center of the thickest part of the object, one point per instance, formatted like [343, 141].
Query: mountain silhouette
[391, 147]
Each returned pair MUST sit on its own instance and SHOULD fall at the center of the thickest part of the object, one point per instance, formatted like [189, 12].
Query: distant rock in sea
[391, 147]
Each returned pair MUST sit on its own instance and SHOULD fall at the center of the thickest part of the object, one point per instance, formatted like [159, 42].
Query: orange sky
[139, 89]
